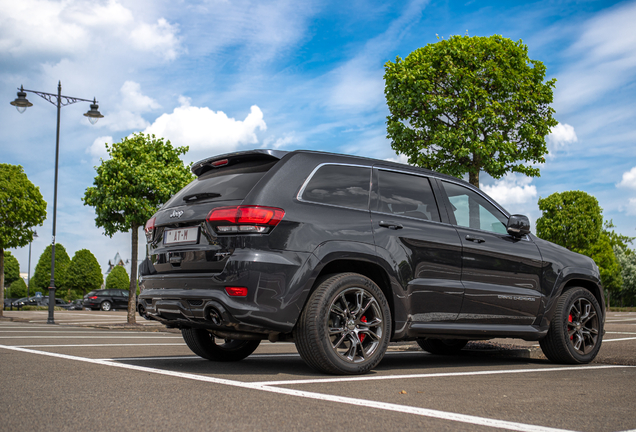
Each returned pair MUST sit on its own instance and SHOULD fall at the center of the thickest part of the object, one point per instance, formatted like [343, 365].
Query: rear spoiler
[210, 163]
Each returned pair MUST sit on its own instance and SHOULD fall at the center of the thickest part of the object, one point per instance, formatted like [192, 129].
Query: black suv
[344, 254]
[106, 299]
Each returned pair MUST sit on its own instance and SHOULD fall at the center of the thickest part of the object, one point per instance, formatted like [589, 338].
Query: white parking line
[616, 340]
[85, 331]
[91, 337]
[609, 332]
[443, 415]
[620, 320]
[98, 345]
[436, 375]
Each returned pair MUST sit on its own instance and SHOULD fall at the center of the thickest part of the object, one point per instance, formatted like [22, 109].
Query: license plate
[180, 235]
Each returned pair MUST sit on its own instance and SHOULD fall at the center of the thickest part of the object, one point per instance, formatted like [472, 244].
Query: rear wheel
[106, 305]
[442, 346]
[576, 330]
[345, 327]
[203, 344]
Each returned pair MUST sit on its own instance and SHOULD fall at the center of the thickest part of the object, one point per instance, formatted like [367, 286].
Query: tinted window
[407, 195]
[341, 185]
[228, 183]
[471, 210]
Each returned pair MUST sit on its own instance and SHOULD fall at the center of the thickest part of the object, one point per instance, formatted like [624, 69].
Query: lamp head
[93, 115]
[21, 103]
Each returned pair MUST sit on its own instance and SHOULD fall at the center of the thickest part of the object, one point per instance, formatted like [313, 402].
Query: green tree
[627, 259]
[21, 209]
[17, 289]
[143, 172]
[42, 276]
[468, 104]
[11, 268]
[84, 273]
[572, 219]
[118, 278]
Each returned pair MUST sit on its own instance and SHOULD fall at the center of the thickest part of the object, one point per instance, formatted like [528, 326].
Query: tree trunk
[473, 176]
[132, 291]
[2, 281]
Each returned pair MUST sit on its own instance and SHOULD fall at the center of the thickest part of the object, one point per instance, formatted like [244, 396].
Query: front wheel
[345, 327]
[203, 344]
[442, 346]
[576, 330]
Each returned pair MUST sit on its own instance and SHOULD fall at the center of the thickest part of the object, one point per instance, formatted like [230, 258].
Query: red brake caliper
[362, 336]
[570, 320]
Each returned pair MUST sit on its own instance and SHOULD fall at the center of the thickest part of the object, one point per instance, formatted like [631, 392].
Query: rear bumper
[277, 286]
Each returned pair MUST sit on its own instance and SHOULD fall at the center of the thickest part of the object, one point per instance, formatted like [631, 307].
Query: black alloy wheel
[204, 344]
[576, 331]
[345, 327]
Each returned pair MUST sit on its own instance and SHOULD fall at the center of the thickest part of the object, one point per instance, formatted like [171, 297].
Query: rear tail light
[150, 229]
[245, 219]
[93, 298]
[236, 291]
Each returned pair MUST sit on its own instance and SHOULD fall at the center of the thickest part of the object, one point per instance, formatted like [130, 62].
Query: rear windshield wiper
[202, 195]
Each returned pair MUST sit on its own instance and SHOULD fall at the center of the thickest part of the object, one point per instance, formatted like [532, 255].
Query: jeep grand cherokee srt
[344, 254]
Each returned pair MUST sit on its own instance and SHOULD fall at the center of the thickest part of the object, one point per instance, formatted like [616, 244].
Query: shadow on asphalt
[276, 366]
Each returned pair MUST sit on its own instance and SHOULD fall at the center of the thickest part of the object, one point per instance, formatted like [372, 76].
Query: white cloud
[53, 29]
[160, 38]
[606, 51]
[560, 135]
[202, 129]
[511, 190]
[128, 114]
[629, 179]
[401, 158]
[277, 143]
[630, 208]
[98, 149]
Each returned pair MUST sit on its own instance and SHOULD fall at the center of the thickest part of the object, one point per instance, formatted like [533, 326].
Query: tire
[442, 346]
[345, 327]
[203, 344]
[106, 305]
[576, 330]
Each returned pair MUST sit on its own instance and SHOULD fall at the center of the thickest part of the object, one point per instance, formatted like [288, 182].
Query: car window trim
[304, 186]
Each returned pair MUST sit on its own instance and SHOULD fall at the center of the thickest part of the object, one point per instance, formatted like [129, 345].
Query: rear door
[180, 240]
[425, 251]
[501, 273]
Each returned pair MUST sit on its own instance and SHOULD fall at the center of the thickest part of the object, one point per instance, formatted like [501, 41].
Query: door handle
[475, 239]
[390, 225]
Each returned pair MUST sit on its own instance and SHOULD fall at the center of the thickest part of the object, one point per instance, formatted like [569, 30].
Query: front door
[500, 273]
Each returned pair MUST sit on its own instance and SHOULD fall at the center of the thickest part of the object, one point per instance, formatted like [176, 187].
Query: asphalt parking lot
[88, 373]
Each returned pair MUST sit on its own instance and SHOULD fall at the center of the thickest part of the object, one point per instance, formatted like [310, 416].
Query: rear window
[222, 184]
[407, 195]
[341, 185]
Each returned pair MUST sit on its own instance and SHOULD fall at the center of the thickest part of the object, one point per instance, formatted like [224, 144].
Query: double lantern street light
[21, 103]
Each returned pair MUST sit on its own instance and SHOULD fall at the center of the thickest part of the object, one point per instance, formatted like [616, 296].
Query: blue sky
[224, 75]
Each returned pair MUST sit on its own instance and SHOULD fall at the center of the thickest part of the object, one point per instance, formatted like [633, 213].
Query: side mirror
[518, 225]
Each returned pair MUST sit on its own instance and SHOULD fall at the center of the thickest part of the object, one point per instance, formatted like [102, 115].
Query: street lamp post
[21, 103]
[35, 234]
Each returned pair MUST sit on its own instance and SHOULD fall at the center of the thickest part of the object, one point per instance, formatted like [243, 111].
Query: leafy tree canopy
[84, 273]
[11, 269]
[603, 255]
[468, 104]
[42, 276]
[18, 289]
[572, 219]
[627, 261]
[143, 172]
[117, 278]
[21, 207]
